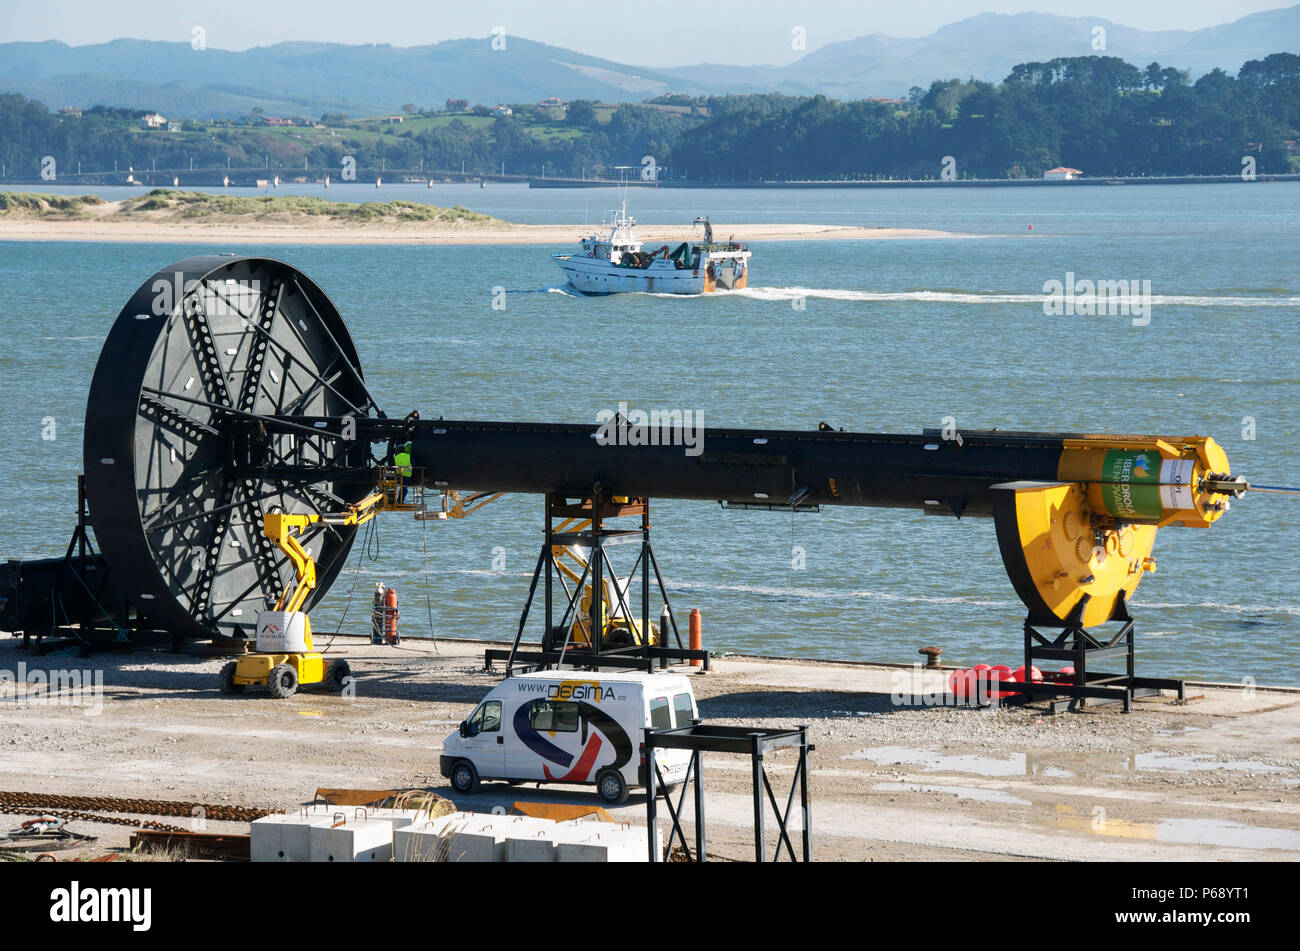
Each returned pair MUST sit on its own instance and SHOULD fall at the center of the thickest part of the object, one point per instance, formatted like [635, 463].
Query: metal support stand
[66, 599]
[1080, 647]
[583, 524]
[728, 739]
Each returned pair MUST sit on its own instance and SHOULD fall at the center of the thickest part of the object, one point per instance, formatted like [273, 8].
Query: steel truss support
[1081, 647]
[583, 523]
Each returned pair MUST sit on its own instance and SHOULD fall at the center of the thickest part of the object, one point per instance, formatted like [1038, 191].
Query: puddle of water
[962, 792]
[1221, 832]
[1017, 764]
[1099, 823]
[1225, 832]
[1199, 762]
[1178, 731]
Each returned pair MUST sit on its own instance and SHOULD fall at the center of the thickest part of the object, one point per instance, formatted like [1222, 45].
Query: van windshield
[486, 719]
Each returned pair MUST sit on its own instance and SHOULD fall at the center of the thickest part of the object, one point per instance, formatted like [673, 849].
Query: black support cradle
[599, 651]
[68, 600]
[700, 739]
[1080, 647]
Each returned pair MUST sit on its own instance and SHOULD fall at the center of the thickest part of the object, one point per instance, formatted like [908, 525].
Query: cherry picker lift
[285, 657]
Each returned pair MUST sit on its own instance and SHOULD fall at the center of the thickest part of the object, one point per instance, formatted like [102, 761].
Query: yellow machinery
[571, 563]
[285, 658]
[619, 629]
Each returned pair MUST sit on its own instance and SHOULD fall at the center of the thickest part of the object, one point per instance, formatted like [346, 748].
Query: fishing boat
[613, 260]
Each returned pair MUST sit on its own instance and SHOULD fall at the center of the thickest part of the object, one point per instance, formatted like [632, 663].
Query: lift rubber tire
[228, 684]
[340, 676]
[612, 787]
[282, 682]
[464, 777]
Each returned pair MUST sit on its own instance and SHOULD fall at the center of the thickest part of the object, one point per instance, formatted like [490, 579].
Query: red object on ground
[390, 616]
[1018, 674]
[697, 634]
[975, 683]
[1001, 673]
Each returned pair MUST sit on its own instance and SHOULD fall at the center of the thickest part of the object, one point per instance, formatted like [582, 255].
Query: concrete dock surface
[897, 775]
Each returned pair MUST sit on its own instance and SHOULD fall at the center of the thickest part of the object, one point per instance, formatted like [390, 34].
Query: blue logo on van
[589, 716]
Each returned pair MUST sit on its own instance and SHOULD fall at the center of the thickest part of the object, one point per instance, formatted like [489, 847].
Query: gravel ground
[1215, 778]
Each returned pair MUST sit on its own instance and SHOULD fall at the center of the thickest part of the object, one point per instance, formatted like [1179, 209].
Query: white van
[571, 727]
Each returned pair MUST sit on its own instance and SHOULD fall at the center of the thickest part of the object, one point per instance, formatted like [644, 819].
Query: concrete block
[355, 840]
[427, 840]
[398, 817]
[536, 846]
[285, 837]
[610, 845]
[589, 840]
[483, 837]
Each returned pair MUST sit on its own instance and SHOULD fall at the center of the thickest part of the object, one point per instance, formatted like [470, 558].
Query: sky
[657, 33]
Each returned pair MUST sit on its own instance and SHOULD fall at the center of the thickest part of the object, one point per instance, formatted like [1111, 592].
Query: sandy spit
[330, 232]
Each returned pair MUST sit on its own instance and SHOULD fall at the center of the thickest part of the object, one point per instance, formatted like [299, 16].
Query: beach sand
[315, 230]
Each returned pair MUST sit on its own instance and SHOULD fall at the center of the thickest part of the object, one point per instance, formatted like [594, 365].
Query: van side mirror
[464, 728]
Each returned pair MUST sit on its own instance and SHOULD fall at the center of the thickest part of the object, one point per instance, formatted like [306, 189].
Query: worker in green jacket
[402, 462]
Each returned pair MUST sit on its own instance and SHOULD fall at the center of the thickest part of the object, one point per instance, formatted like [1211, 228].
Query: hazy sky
[650, 33]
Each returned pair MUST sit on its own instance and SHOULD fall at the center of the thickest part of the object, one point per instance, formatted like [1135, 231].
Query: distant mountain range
[314, 78]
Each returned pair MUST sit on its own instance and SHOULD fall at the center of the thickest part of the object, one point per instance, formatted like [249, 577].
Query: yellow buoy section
[1076, 549]
[1066, 563]
[1147, 478]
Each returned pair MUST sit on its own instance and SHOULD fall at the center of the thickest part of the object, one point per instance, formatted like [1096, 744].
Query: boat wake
[972, 297]
[952, 297]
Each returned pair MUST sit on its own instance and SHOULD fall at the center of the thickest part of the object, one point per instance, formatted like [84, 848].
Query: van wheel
[282, 682]
[464, 777]
[612, 787]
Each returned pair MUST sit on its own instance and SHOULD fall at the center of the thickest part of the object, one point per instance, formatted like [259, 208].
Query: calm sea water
[895, 335]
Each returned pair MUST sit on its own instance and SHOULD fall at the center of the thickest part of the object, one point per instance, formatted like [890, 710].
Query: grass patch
[200, 205]
[36, 205]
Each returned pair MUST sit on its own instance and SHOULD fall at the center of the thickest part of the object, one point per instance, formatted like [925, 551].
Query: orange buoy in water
[390, 615]
[697, 634]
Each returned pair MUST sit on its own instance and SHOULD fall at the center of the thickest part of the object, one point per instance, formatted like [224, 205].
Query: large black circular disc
[201, 352]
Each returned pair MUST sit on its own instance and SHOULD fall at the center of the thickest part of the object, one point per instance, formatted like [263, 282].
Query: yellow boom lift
[285, 658]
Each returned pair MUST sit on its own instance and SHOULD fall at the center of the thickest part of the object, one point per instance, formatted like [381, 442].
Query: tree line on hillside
[1095, 113]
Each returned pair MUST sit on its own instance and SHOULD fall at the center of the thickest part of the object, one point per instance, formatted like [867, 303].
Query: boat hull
[594, 276]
